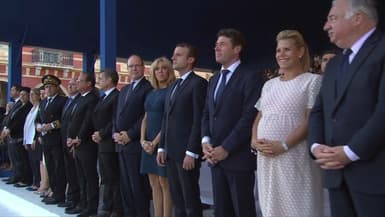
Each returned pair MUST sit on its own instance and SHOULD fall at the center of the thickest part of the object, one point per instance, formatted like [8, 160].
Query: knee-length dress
[154, 107]
[289, 185]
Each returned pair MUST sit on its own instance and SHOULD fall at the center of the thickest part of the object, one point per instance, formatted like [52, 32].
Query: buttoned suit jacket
[15, 122]
[228, 122]
[65, 119]
[129, 115]
[102, 120]
[181, 125]
[50, 114]
[355, 116]
[80, 124]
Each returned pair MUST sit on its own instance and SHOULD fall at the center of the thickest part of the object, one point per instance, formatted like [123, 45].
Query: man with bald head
[135, 190]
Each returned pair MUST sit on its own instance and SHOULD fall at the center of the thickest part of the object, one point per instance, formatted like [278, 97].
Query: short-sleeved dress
[154, 106]
[289, 185]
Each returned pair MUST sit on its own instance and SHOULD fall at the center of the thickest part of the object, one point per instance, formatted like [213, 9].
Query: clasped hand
[214, 154]
[121, 138]
[148, 146]
[267, 148]
[331, 158]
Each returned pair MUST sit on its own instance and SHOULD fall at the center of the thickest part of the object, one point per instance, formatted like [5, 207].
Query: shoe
[66, 204]
[45, 194]
[21, 185]
[12, 182]
[87, 213]
[74, 210]
[51, 200]
[7, 179]
[30, 188]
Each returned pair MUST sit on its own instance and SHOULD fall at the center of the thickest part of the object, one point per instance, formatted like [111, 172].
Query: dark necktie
[49, 100]
[68, 103]
[222, 85]
[177, 84]
[102, 96]
[343, 66]
[129, 91]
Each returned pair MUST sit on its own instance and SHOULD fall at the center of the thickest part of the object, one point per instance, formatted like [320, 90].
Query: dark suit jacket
[129, 115]
[65, 119]
[229, 122]
[15, 122]
[49, 115]
[80, 124]
[355, 117]
[181, 125]
[102, 120]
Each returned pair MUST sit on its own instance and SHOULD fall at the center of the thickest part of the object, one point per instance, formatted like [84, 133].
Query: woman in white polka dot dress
[289, 182]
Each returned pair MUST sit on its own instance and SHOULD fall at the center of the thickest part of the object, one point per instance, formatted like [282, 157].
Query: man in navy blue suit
[226, 128]
[180, 134]
[346, 129]
[135, 189]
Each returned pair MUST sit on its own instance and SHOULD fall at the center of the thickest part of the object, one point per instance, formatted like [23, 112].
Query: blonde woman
[162, 75]
[288, 180]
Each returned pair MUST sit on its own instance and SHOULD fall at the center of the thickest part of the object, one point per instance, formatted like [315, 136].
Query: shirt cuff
[315, 145]
[206, 139]
[350, 154]
[193, 155]
[161, 150]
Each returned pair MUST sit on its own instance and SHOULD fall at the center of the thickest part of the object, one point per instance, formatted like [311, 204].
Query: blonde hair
[299, 42]
[171, 75]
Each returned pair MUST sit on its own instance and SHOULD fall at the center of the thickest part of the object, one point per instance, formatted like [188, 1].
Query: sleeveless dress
[289, 185]
[154, 106]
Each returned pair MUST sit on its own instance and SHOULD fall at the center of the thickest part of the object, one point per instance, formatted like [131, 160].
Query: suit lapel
[171, 100]
[179, 91]
[130, 92]
[355, 65]
[228, 87]
[211, 93]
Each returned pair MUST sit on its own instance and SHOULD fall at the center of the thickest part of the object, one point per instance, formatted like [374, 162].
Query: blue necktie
[177, 84]
[222, 85]
[68, 103]
[343, 66]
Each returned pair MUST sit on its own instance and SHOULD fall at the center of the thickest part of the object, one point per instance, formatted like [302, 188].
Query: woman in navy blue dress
[161, 76]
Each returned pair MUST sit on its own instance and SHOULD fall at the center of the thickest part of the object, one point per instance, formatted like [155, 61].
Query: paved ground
[16, 202]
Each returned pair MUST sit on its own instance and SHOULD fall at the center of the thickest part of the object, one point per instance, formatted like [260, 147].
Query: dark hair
[26, 89]
[17, 87]
[236, 37]
[330, 51]
[90, 78]
[138, 56]
[111, 73]
[192, 51]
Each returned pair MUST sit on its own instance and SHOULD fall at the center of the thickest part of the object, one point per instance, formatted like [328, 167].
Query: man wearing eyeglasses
[135, 189]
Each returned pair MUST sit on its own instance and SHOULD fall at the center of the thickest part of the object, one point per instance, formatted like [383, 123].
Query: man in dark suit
[13, 133]
[15, 92]
[73, 191]
[346, 130]
[180, 133]
[79, 132]
[226, 128]
[135, 189]
[48, 125]
[108, 157]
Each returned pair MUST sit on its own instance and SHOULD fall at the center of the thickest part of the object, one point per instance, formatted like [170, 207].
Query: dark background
[152, 28]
